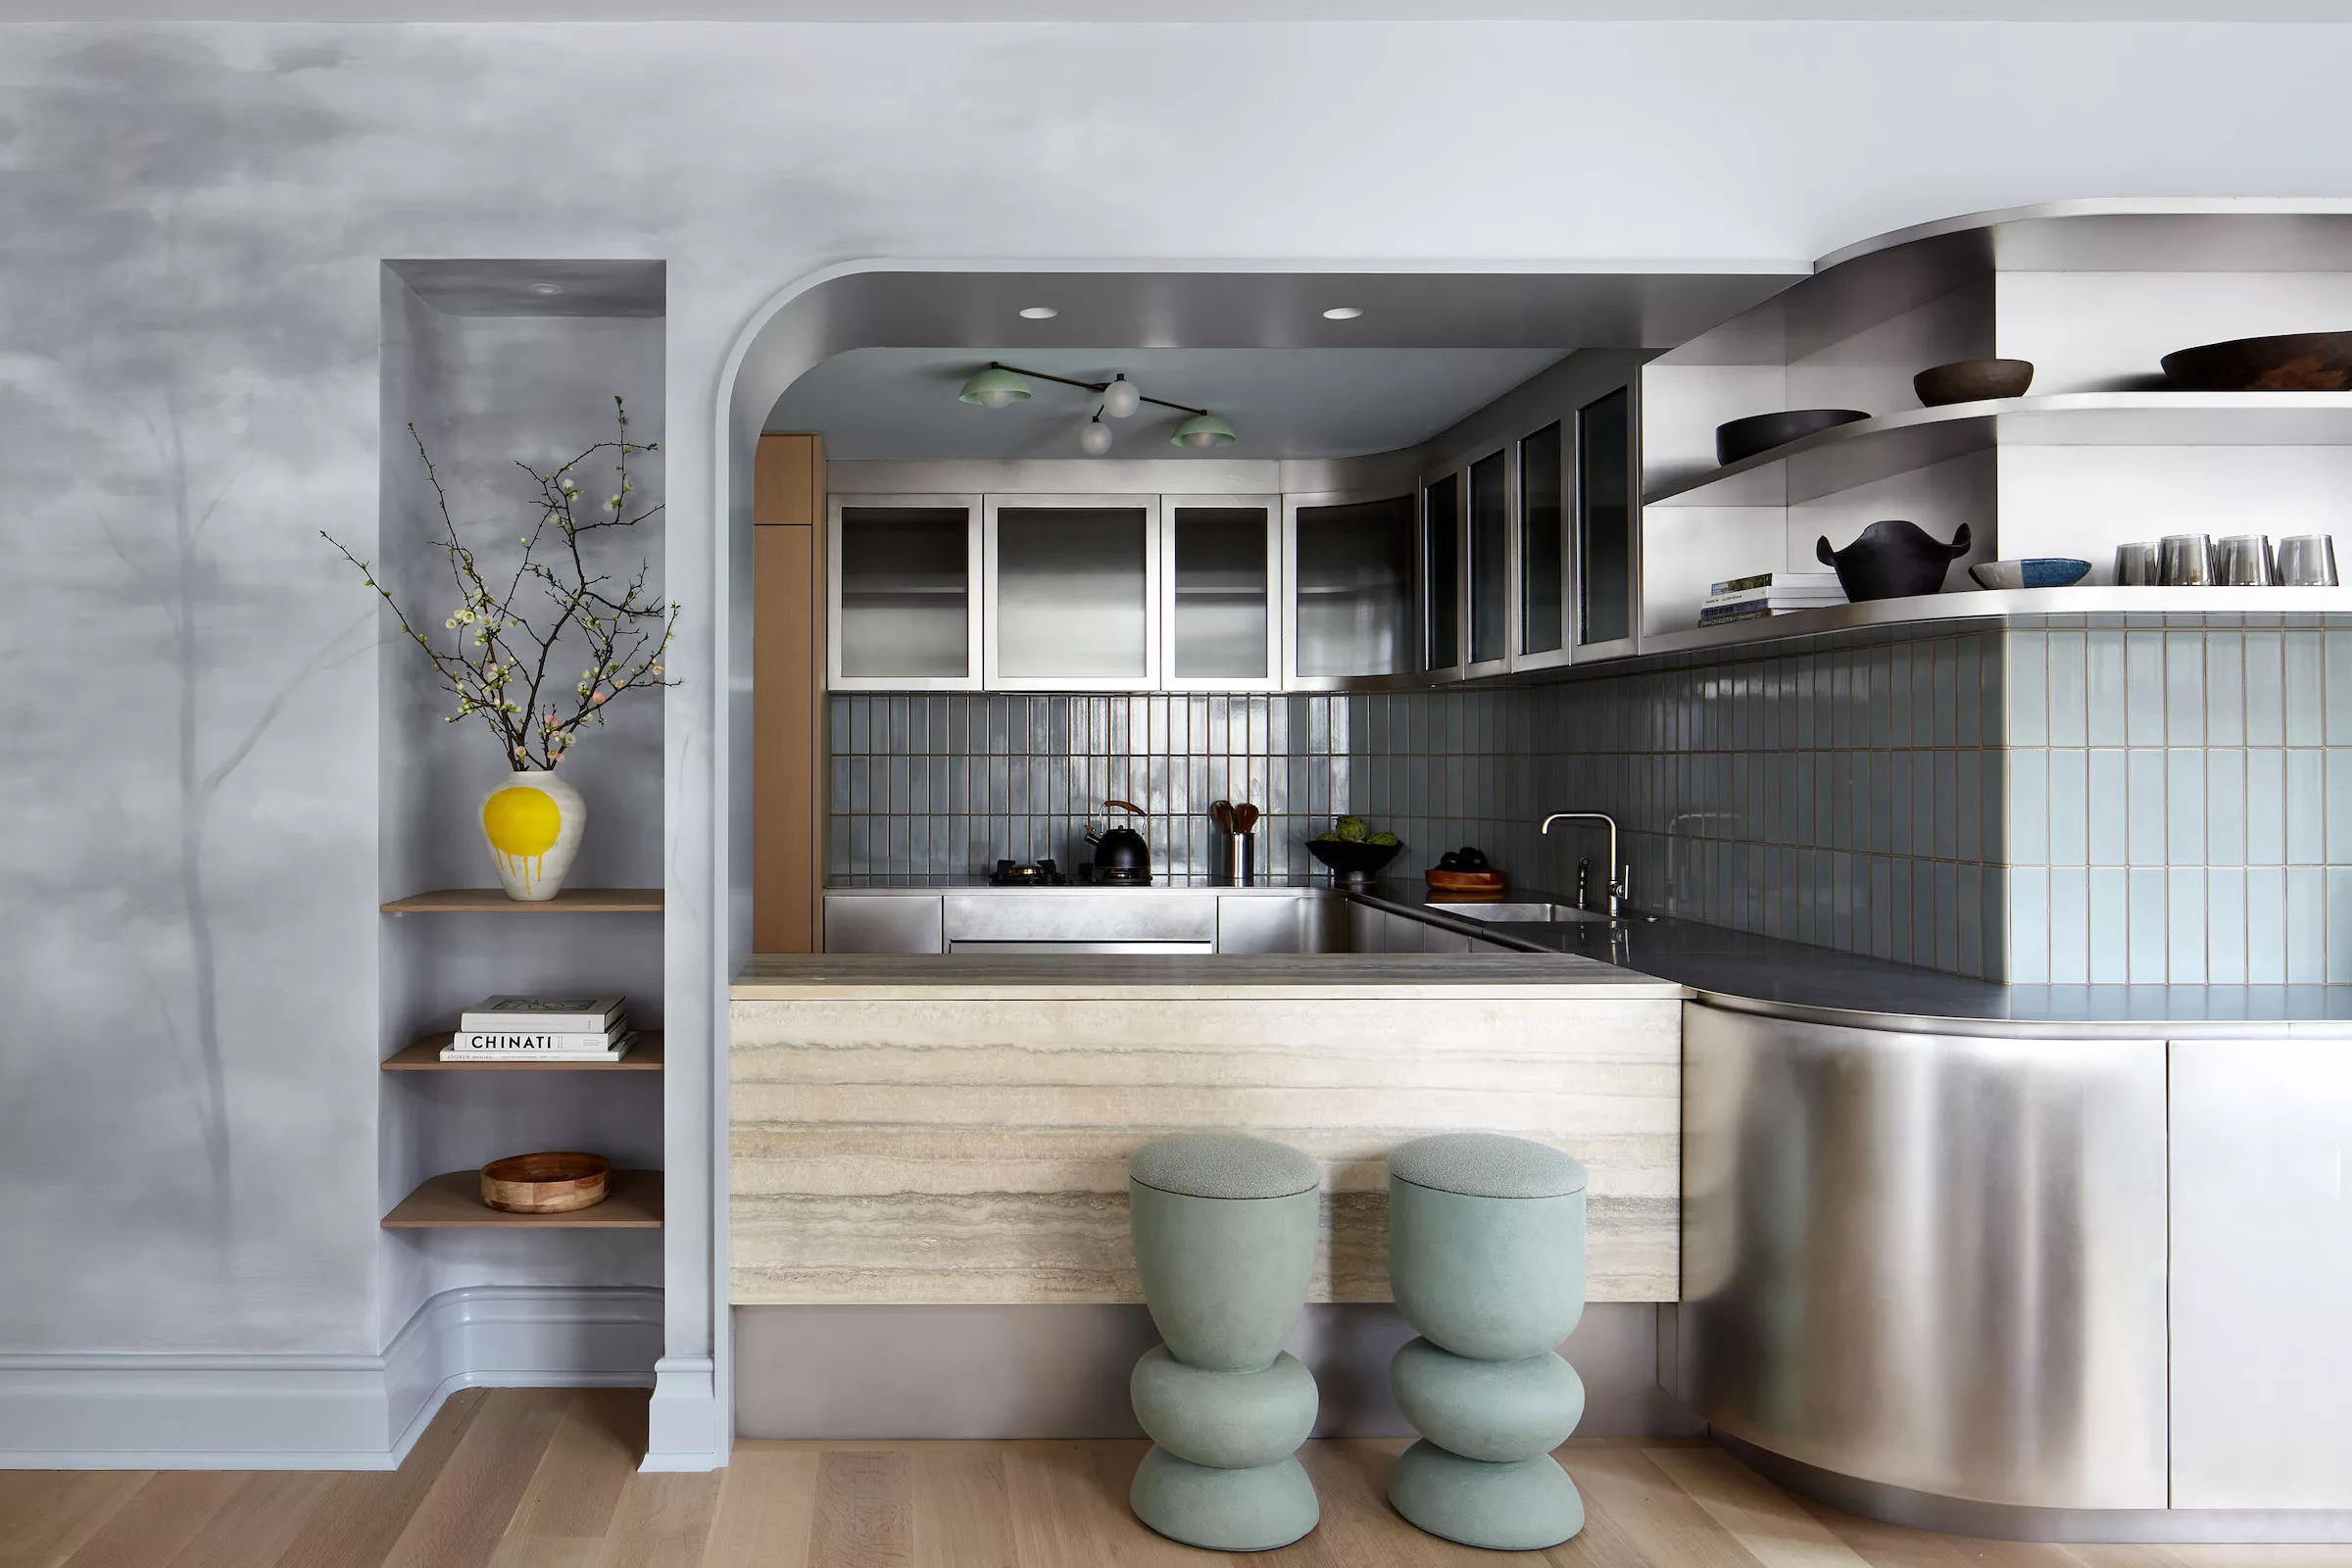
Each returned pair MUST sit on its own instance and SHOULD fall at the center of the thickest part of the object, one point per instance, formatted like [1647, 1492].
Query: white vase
[532, 822]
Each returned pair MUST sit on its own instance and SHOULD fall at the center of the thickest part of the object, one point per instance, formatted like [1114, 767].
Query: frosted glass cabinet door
[903, 581]
[1488, 535]
[1222, 564]
[1348, 579]
[1074, 593]
[1542, 549]
[1606, 510]
[1441, 576]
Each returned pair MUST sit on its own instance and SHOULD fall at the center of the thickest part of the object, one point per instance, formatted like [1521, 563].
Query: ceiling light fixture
[547, 288]
[1342, 312]
[1001, 385]
[1039, 312]
[1203, 430]
[995, 387]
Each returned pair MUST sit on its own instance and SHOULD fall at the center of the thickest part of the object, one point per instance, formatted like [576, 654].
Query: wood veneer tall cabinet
[788, 675]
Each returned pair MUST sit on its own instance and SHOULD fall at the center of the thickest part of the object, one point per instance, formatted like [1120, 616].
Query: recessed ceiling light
[1039, 312]
[1342, 313]
[547, 288]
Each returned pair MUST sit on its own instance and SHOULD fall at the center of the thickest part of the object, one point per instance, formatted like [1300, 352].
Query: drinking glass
[2136, 565]
[2188, 560]
[2306, 559]
[2245, 561]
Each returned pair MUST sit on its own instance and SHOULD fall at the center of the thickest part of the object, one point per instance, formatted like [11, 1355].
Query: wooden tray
[545, 1183]
[1466, 881]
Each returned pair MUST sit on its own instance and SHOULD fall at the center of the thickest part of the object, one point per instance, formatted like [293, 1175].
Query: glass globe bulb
[1121, 398]
[1095, 439]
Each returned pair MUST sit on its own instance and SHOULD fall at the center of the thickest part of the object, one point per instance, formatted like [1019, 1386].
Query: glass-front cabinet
[1349, 561]
[1442, 576]
[1545, 579]
[1072, 593]
[1608, 583]
[904, 570]
[1488, 588]
[1221, 629]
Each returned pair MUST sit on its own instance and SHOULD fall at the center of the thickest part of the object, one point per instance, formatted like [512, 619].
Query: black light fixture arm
[1096, 387]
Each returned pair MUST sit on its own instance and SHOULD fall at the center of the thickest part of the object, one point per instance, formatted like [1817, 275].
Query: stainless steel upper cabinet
[1545, 578]
[1072, 593]
[1608, 579]
[903, 576]
[1441, 592]
[1221, 562]
[1349, 576]
[1487, 583]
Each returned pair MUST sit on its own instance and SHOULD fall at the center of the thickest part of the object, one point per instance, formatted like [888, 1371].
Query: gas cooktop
[1014, 874]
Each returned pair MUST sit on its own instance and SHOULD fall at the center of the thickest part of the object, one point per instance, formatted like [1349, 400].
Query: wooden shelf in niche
[426, 1057]
[494, 901]
[632, 1201]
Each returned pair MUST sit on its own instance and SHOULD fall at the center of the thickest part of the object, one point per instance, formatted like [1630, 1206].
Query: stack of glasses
[2239, 561]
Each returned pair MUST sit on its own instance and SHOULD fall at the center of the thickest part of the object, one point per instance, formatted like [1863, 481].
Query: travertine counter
[955, 1128]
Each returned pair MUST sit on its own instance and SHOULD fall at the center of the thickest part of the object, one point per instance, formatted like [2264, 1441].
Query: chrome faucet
[1620, 879]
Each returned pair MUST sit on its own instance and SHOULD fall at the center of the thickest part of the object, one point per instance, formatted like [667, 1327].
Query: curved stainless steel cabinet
[1931, 1261]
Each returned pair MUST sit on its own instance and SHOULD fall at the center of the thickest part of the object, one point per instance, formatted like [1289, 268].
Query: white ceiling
[1282, 403]
[1158, 10]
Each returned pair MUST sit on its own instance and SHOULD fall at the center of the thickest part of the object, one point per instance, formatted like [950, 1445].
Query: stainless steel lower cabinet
[1926, 1261]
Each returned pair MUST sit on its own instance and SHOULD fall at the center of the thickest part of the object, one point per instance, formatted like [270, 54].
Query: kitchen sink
[1492, 913]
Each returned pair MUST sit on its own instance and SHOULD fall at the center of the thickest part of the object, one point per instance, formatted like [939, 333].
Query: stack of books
[542, 1029]
[1769, 593]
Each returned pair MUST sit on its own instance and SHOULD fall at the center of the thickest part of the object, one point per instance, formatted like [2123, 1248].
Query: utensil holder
[1241, 859]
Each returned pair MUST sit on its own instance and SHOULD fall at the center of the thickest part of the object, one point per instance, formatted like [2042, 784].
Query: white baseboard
[135, 1411]
[683, 1427]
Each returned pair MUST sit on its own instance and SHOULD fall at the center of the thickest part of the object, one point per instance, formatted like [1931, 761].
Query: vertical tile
[2305, 700]
[2226, 926]
[1968, 919]
[2184, 807]
[2266, 807]
[2027, 676]
[1879, 804]
[2150, 944]
[2070, 926]
[2143, 688]
[2108, 817]
[2224, 688]
[2339, 767]
[1882, 698]
[2338, 677]
[2028, 828]
[2186, 916]
[2306, 925]
[1899, 812]
[2110, 927]
[1882, 907]
[2306, 806]
[1899, 696]
[1899, 923]
[2143, 805]
[2338, 965]
[2184, 688]
[2069, 808]
[2266, 689]
[1946, 674]
[1967, 803]
[2266, 926]
[1944, 805]
[1946, 918]
[2070, 701]
[1968, 694]
[2105, 689]
[2225, 807]
[1923, 692]
[2028, 926]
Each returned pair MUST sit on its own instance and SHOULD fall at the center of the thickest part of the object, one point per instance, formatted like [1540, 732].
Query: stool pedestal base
[1256, 1510]
[1523, 1506]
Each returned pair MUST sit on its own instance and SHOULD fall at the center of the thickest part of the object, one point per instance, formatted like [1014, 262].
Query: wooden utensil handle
[1128, 806]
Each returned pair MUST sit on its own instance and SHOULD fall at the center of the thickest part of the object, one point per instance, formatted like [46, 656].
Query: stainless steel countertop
[978, 882]
[1257, 975]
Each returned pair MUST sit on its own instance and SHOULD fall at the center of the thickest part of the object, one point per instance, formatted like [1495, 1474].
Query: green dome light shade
[1203, 430]
[995, 388]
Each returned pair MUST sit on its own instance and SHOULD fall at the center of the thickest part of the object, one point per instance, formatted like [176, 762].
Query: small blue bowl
[2037, 572]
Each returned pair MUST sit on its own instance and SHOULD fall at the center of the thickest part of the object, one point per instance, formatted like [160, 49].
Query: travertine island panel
[955, 1128]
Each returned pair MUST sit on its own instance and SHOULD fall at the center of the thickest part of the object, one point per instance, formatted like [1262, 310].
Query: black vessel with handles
[1892, 559]
[1121, 856]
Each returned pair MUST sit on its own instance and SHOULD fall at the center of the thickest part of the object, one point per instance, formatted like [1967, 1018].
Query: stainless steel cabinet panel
[2261, 1274]
[1072, 593]
[1349, 580]
[903, 574]
[1929, 1262]
[1133, 914]
[1256, 923]
[1221, 576]
[883, 922]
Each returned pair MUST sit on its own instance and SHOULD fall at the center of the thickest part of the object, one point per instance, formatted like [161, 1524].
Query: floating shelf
[1869, 449]
[494, 901]
[426, 1057]
[632, 1202]
[2251, 606]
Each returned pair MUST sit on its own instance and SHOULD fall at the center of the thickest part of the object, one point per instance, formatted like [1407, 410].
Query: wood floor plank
[962, 1516]
[2212, 1556]
[766, 1502]
[547, 1551]
[157, 1519]
[1069, 1509]
[662, 1521]
[1604, 1542]
[864, 1510]
[595, 1448]
[1760, 1517]
[1360, 1528]
[1884, 1546]
[257, 1523]
[45, 1515]
[463, 1514]
[361, 1513]
[1663, 1521]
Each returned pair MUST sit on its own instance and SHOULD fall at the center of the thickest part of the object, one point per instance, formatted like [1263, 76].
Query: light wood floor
[529, 1477]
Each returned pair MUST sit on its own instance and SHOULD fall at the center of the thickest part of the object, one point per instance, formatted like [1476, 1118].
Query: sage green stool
[1224, 1229]
[1487, 1260]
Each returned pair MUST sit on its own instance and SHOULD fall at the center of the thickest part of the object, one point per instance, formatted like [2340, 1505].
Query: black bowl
[1761, 432]
[2300, 361]
[1352, 863]
[1972, 381]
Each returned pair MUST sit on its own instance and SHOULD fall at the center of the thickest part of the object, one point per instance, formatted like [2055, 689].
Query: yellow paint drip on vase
[533, 824]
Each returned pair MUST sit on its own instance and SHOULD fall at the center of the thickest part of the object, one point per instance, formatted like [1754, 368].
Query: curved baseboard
[139, 1411]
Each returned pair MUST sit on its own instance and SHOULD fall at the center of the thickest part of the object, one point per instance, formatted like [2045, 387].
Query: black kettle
[1892, 560]
[1120, 854]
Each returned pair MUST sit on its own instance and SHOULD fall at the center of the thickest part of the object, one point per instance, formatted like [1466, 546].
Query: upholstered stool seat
[1224, 1228]
[1486, 1260]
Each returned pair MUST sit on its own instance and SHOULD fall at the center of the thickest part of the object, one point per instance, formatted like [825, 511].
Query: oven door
[995, 944]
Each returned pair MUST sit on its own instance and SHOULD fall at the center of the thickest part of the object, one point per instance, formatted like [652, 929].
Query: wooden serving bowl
[545, 1183]
[1465, 881]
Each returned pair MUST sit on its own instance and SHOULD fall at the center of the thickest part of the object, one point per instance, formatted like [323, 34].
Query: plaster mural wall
[192, 225]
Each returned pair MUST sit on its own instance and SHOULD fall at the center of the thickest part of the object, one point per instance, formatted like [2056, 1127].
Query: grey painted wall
[190, 791]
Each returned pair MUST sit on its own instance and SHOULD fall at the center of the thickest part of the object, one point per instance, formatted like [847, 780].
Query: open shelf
[632, 1202]
[426, 1057]
[1964, 605]
[494, 901]
[1870, 450]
